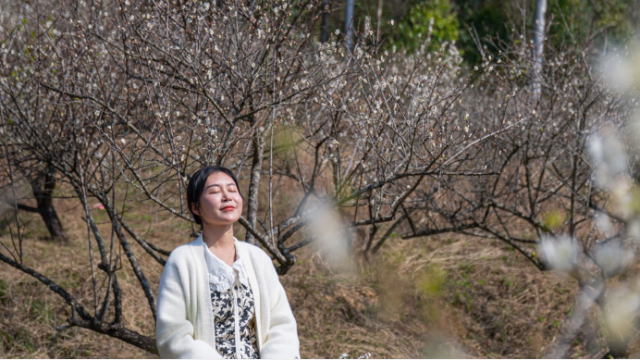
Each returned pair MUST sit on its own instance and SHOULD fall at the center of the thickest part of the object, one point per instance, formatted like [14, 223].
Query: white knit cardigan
[185, 324]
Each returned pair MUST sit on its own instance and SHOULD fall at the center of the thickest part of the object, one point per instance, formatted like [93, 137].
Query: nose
[225, 195]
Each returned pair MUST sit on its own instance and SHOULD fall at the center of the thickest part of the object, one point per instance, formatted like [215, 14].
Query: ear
[195, 209]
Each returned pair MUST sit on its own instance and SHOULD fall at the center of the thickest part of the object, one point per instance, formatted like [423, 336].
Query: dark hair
[197, 183]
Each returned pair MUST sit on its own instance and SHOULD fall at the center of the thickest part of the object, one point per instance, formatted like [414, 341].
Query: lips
[228, 208]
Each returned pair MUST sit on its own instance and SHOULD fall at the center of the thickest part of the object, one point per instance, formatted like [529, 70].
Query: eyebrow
[232, 184]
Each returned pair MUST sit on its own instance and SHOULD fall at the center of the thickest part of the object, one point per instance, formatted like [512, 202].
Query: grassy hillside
[433, 297]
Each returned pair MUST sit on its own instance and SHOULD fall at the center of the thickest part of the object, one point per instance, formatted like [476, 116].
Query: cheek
[239, 202]
[210, 200]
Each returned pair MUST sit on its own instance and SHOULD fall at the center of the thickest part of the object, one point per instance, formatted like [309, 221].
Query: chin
[220, 222]
[226, 220]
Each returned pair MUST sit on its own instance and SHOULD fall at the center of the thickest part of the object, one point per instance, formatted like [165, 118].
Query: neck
[218, 236]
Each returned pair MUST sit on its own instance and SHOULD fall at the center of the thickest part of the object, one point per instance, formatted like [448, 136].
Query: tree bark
[348, 24]
[256, 167]
[324, 25]
[118, 331]
[538, 43]
[42, 188]
[379, 15]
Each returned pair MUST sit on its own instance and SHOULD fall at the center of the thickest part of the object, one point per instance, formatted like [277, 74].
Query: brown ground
[436, 297]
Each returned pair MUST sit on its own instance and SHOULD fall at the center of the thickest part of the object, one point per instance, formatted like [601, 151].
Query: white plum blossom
[620, 310]
[611, 257]
[603, 222]
[609, 158]
[559, 253]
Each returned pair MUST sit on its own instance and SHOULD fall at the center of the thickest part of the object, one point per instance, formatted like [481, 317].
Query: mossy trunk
[254, 184]
[42, 187]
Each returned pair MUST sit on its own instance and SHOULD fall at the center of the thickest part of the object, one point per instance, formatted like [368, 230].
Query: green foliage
[577, 20]
[42, 310]
[554, 219]
[4, 224]
[430, 282]
[3, 290]
[405, 23]
[486, 18]
[436, 17]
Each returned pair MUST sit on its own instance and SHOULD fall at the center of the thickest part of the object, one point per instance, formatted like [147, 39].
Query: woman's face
[220, 202]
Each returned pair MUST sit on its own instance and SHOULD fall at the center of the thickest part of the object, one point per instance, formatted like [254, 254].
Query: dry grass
[436, 297]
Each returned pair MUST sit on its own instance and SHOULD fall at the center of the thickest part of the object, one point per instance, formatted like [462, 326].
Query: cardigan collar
[221, 275]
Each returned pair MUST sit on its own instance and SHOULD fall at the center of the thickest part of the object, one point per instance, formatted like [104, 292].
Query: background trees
[607, 22]
[346, 144]
[137, 95]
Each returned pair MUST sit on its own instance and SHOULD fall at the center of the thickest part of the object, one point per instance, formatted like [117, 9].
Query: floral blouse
[233, 308]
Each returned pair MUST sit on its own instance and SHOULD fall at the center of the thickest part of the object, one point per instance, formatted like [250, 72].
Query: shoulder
[256, 254]
[184, 254]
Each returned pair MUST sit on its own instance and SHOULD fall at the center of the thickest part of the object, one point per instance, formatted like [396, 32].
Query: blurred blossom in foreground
[559, 253]
[611, 257]
[603, 222]
[440, 346]
[633, 230]
[363, 356]
[621, 308]
[621, 71]
[330, 234]
[609, 158]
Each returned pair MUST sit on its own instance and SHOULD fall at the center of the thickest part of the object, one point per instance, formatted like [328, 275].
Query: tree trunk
[379, 14]
[256, 167]
[324, 25]
[538, 43]
[348, 24]
[42, 188]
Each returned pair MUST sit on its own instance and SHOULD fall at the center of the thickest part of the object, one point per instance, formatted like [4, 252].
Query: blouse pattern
[223, 309]
[231, 294]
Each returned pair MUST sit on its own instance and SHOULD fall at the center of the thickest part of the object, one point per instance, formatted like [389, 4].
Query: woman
[220, 297]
